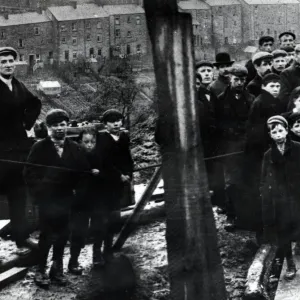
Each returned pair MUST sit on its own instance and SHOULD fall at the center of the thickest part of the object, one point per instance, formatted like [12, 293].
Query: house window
[100, 52]
[21, 43]
[36, 31]
[67, 55]
[63, 40]
[63, 27]
[128, 50]
[3, 35]
[50, 54]
[269, 31]
[129, 35]
[37, 57]
[99, 25]
[21, 57]
[205, 15]
[74, 26]
[118, 33]
[226, 40]
[99, 38]
[74, 54]
[88, 24]
[74, 41]
[138, 48]
[88, 37]
[117, 20]
[128, 20]
[117, 49]
[138, 20]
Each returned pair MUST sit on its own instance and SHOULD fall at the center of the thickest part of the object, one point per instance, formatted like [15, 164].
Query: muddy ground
[146, 249]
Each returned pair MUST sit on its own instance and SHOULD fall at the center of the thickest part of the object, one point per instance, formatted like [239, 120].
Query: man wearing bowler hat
[18, 113]
[262, 62]
[223, 63]
[287, 38]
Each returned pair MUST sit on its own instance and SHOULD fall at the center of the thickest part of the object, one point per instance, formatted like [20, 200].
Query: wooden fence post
[195, 269]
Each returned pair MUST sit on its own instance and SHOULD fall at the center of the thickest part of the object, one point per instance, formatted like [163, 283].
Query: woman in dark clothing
[115, 161]
[280, 191]
[53, 190]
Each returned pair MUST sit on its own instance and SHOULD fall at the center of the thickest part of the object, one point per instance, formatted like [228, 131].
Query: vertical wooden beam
[195, 269]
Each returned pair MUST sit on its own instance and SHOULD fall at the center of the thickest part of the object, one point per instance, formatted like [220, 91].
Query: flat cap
[271, 77]
[279, 53]
[264, 39]
[238, 70]
[112, 115]
[55, 116]
[287, 33]
[261, 55]
[288, 49]
[8, 51]
[203, 63]
[278, 119]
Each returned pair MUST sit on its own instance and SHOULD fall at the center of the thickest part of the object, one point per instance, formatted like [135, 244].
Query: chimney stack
[74, 4]
[6, 15]
[39, 10]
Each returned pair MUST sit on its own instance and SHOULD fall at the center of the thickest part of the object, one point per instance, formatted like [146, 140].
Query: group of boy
[73, 183]
[248, 107]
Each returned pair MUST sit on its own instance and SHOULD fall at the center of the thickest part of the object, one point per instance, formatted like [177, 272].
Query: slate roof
[222, 2]
[191, 5]
[23, 19]
[257, 2]
[84, 11]
[123, 9]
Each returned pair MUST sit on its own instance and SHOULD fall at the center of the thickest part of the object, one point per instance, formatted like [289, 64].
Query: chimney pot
[39, 10]
[6, 15]
[74, 4]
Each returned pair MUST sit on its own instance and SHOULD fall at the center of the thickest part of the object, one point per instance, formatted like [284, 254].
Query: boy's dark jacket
[55, 188]
[280, 191]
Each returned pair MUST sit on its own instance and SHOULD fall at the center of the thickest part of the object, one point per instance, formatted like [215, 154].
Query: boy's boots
[74, 267]
[41, 278]
[291, 269]
[98, 260]
[56, 273]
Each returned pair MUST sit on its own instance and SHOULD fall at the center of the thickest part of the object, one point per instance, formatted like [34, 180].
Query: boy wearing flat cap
[262, 62]
[19, 111]
[234, 106]
[265, 44]
[53, 190]
[116, 164]
[290, 51]
[279, 61]
[280, 191]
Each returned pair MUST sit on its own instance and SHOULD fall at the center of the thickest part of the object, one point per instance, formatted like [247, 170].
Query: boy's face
[297, 103]
[237, 83]
[278, 134]
[88, 142]
[206, 74]
[58, 130]
[279, 63]
[273, 88]
[290, 57]
[114, 127]
[267, 46]
[296, 128]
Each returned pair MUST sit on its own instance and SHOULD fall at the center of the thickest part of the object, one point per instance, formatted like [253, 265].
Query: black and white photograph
[150, 149]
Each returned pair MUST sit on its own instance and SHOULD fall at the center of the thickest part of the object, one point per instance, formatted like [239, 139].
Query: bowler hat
[8, 51]
[111, 115]
[55, 116]
[223, 58]
[277, 119]
[203, 63]
[287, 33]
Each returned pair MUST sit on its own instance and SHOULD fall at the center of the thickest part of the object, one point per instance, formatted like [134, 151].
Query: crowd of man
[252, 113]
[76, 185]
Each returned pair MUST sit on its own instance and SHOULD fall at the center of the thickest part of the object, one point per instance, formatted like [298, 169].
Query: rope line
[89, 172]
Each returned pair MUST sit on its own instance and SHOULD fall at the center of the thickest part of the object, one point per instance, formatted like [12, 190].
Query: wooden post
[195, 269]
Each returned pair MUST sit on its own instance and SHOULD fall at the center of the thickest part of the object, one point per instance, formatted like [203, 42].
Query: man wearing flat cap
[290, 79]
[265, 44]
[262, 62]
[53, 190]
[279, 61]
[232, 117]
[18, 113]
[223, 63]
[287, 38]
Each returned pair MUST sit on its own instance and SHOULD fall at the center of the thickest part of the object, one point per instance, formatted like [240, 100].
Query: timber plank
[289, 289]
[12, 275]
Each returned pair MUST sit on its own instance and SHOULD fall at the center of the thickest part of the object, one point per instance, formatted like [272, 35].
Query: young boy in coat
[53, 189]
[115, 161]
[280, 191]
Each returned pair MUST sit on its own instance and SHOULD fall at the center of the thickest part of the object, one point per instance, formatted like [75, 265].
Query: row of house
[65, 32]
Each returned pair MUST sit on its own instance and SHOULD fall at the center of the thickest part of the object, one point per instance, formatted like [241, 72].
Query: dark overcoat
[254, 86]
[289, 80]
[280, 193]
[114, 159]
[251, 71]
[54, 189]
[219, 85]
